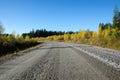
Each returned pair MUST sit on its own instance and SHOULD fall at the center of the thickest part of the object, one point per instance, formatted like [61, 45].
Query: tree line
[9, 43]
[108, 35]
[44, 33]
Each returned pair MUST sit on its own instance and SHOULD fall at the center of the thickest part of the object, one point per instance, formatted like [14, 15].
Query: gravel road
[63, 61]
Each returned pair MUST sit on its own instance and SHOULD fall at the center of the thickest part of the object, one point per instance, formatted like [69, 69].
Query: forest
[108, 36]
[44, 33]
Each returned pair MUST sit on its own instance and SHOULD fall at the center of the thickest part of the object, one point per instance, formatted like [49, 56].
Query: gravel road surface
[63, 61]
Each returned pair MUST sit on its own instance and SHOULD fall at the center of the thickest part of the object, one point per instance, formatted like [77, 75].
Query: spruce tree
[116, 18]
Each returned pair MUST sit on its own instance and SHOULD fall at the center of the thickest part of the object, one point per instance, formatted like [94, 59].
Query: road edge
[19, 53]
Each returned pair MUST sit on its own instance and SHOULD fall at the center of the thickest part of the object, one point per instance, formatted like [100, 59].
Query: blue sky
[22, 16]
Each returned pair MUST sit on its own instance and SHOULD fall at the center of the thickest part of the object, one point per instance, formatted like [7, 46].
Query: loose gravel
[63, 61]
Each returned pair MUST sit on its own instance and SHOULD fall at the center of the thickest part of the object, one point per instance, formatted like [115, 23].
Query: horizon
[21, 16]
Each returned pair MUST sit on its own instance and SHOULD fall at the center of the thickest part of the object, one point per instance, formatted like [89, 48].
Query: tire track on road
[45, 69]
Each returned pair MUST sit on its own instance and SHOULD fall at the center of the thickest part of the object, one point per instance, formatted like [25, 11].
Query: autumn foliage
[10, 43]
[108, 35]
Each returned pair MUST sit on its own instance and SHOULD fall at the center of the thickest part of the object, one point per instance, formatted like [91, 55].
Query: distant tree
[11, 38]
[32, 33]
[60, 37]
[1, 28]
[116, 18]
[100, 28]
[42, 33]
[83, 34]
[21, 38]
[107, 25]
[94, 35]
[107, 32]
[70, 32]
[27, 38]
[66, 37]
[74, 37]
[17, 37]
